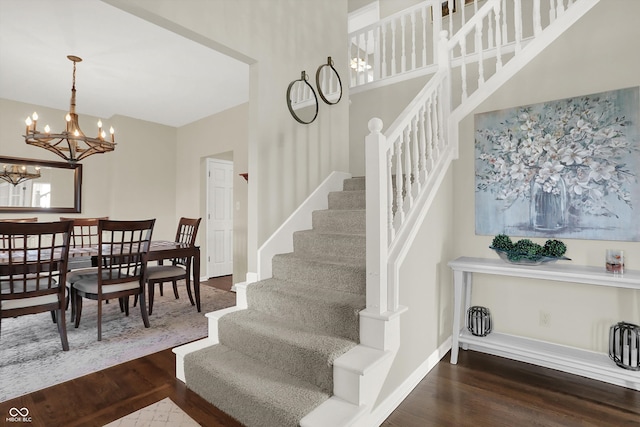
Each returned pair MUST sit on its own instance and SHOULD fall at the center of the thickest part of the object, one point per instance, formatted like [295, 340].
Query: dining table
[159, 251]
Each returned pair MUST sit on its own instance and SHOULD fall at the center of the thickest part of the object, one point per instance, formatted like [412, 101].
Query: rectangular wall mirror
[58, 189]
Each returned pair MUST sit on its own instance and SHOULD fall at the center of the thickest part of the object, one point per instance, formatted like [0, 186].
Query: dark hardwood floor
[481, 390]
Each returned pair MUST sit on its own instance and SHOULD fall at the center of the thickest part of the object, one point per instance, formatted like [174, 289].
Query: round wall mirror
[302, 100]
[328, 83]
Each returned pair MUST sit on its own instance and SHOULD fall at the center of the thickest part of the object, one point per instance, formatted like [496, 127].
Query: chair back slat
[123, 246]
[85, 231]
[186, 233]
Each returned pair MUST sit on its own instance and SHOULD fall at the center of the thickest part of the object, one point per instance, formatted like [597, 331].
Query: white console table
[568, 359]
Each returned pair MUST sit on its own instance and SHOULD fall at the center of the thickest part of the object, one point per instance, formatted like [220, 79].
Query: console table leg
[458, 280]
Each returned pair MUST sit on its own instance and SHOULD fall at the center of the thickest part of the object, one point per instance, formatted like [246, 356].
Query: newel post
[376, 217]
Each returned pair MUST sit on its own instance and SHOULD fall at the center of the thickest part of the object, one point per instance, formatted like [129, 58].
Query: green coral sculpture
[554, 248]
[502, 242]
[526, 250]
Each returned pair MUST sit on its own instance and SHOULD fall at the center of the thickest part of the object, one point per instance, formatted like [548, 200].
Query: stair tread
[310, 292]
[326, 259]
[329, 233]
[220, 374]
[331, 346]
[342, 211]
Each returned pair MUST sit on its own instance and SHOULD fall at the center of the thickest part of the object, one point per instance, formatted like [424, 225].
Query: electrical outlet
[545, 318]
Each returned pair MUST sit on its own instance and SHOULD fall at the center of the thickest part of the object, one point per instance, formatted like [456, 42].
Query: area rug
[160, 414]
[31, 356]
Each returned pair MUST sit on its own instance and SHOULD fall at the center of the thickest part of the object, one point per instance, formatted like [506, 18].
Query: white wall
[278, 39]
[135, 181]
[593, 56]
[385, 103]
[223, 135]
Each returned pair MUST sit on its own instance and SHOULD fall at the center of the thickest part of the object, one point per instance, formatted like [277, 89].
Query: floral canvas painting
[563, 169]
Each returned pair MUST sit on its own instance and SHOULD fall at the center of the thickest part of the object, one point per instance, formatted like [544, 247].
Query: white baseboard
[388, 405]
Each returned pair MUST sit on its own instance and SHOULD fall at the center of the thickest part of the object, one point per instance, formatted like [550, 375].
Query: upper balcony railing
[405, 44]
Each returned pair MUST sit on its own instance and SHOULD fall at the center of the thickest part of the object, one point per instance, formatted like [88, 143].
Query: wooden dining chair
[122, 261]
[84, 234]
[85, 231]
[180, 268]
[33, 268]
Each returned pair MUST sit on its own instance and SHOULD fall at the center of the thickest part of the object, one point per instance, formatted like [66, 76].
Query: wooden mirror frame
[77, 186]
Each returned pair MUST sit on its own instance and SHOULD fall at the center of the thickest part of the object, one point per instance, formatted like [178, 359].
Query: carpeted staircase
[274, 360]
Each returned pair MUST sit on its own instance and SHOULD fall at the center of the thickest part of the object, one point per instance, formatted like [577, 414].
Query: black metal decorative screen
[479, 321]
[624, 345]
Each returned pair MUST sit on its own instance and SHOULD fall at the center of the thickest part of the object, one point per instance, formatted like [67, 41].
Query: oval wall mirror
[328, 83]
[302, 100]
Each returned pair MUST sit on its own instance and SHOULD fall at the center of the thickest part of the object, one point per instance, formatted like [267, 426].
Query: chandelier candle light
[71, 144]
[15, 174]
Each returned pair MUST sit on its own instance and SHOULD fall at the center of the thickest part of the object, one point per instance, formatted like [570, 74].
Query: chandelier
[71, 144]
[15, 174]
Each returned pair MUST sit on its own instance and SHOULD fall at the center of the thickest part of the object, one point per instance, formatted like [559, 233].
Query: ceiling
[130, 66]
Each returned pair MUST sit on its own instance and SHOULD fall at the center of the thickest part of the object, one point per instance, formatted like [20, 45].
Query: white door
[219, 217]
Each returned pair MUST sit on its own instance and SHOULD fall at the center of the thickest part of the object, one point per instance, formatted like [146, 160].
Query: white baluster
[504, 20]
[359, 60]
[399, 182]
[392, 230]
[437, 116]
[497, 15]
[560, 10]
[463, 66]
[480, 52]
[353, 72]
[393, 48]
[415, 170]
[376, 54]
[407, 166]
[552, 10]
[403, 57]
[490, 33]
[537, 18]
[429, 120]
[365, 72]
[383, 74]
[423, 15]
[450, 5]
[423, 143]
[413, 40]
